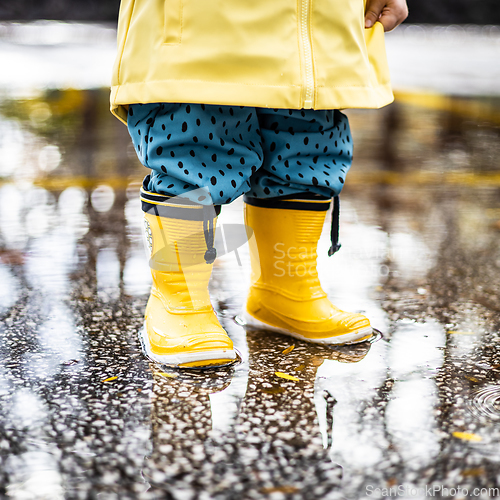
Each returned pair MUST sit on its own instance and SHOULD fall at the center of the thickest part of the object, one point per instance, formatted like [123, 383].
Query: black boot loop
[208, 230]
[334, 234]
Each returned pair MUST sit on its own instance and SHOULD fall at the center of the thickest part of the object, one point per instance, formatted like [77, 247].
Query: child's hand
[390, 13]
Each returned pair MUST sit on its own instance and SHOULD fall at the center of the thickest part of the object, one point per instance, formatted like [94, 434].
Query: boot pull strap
[208, 230]
[334, 234]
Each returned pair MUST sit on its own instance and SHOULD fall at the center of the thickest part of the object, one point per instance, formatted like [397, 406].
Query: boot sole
[208, 359]
[349, 338]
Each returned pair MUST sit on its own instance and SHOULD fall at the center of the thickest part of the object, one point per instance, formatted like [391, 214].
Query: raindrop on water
[486, 402]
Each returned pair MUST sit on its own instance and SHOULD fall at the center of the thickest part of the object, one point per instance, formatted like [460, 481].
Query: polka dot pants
[233, 150]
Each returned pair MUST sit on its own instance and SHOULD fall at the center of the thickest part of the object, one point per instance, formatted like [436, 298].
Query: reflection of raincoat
[268, 53]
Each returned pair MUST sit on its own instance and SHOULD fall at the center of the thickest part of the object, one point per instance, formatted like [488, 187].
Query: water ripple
[486, 402]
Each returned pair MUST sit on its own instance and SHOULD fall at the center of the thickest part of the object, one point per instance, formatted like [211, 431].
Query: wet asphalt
[83, 413]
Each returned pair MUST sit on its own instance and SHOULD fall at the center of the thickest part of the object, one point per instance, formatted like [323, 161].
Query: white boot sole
[348, 338]
[180, 359]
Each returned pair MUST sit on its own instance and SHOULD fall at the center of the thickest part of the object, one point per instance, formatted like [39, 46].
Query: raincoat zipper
[307, 54]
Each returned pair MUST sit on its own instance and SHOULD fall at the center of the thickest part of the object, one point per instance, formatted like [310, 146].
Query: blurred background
[422, 11]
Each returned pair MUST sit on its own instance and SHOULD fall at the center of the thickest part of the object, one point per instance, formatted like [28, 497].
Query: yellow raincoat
[266, 53]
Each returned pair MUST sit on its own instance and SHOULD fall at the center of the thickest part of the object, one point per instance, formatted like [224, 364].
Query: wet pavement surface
[84, 415]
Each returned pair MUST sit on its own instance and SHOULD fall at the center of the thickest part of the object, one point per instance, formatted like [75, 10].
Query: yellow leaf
[288, 349]
[473, 472]
[109, 379]
[164, 374]
[280, 489]
[467, 436]
[453, 332]
[274, 390]
[285, 375]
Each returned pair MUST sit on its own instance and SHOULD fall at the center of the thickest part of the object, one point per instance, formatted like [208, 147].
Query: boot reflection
[278, 420]
[274, 445]
[181, 423]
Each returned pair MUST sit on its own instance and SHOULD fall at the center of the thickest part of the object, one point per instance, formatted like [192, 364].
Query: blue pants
[235, 150]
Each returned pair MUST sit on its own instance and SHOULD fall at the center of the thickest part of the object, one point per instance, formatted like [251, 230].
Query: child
[242, 98]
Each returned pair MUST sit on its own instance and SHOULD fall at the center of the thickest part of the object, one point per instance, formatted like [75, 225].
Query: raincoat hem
[238, 94]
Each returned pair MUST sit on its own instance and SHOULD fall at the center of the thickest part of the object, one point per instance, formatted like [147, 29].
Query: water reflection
[34, 475]
[80, 405]
[271, 437]
[102, 198]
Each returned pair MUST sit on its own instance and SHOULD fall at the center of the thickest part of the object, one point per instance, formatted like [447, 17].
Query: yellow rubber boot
[286, 295]
[181, 328]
